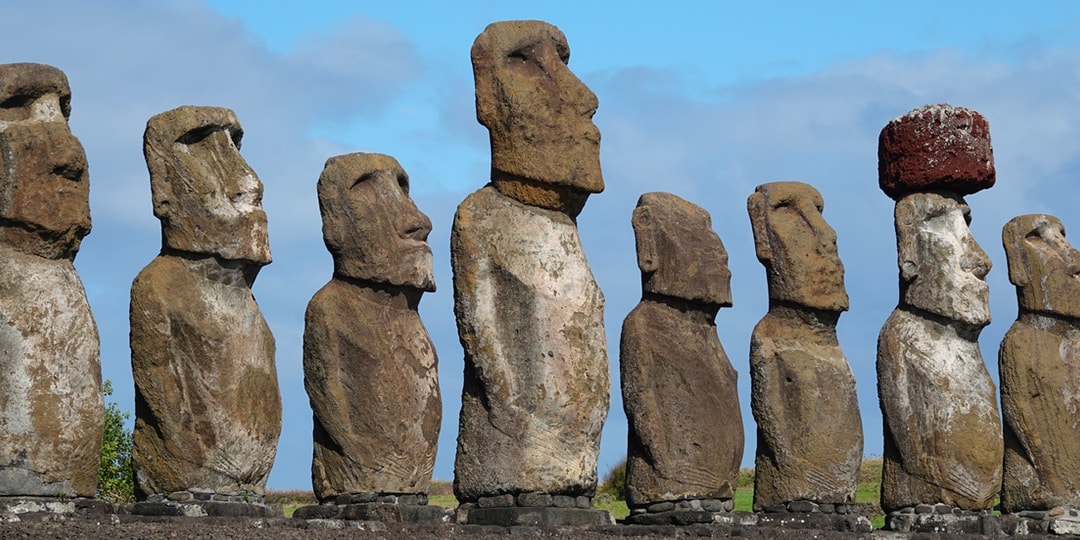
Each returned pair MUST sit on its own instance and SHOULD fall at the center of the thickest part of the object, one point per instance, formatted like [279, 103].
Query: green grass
[445, 501]
[616, 507]
[290, 499]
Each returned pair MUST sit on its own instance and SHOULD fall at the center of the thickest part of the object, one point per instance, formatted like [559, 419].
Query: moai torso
[680, 392]
[369, 366]
[1039, 364]
[207, 406]
[51, 411]
[810, 442]
[942, 429]
[529, 311]
[942, 436]
[530, 316]
[207, 415]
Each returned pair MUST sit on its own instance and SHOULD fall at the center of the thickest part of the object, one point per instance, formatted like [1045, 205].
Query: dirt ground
[116, 527]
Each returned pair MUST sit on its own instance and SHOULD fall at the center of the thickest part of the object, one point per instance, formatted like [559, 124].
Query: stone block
[497, 501]
[535, 499]
[564, 501]
[665, 506]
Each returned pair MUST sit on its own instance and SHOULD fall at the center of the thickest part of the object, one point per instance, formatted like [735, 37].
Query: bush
[116, 482]
[614, 482]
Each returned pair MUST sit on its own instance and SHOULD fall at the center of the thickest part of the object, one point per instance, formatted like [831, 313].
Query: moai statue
[679, 390]
[943, 442]
[809, 434]
[51, 412]
[369, 366]
[1039, 364]
[529, 311]
[207, 407]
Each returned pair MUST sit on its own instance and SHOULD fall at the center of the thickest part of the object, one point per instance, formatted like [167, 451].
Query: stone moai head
[372, 228]
[678, 252]
[797, 246]
[207, 197]
[44, 185]
[942, 268]
[1043, 265]
[545, 149]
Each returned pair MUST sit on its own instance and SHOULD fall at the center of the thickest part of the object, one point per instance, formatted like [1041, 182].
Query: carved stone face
[1043, 265]
[678, 252]
[942, 269]
[207, 197]
[372, 228]
[44, 185]
[797, 246]
[538, 114]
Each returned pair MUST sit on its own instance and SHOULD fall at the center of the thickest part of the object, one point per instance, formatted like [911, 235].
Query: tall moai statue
[369, 366]
[1039, 365]
[943, 440]
[207, 406]
[529, 311]
[51, 412]
[679, 390]
[809, 432]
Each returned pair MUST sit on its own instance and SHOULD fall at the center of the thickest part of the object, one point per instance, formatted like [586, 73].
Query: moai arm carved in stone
[50, 390]
[1039, 364]
[680, 392]
[207, 406]
[810, 442]
[942, 429]
[369, 366]
[528, 309]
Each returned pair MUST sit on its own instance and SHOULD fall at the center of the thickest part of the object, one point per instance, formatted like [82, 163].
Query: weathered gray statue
[529, 311]
[1039, 363]
[207, 407]
[809, 443]
[942, 429]
[51, 413]
[679, 390]
[369, 365]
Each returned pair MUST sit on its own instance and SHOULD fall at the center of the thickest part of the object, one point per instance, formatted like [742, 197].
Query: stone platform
[202, 503]
[1062, 520]
[688, 511]
[386, 508]
[384, 512]
[943, 519]
[206, 508]
[13, 507]
[533, 509]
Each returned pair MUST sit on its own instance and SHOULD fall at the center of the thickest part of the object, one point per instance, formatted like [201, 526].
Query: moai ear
[755, 206]
[906, 239]
[645, 236]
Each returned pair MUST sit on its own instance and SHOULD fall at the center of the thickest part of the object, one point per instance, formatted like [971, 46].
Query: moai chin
[50, 391]
[943, 440]
[1039, 363]
[680, 392]
[207, 406]
[805, 451]
[528, 309]
[369, 366]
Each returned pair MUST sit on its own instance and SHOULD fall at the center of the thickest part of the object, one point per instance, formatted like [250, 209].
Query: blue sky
[703, 99]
